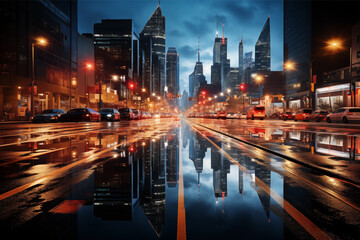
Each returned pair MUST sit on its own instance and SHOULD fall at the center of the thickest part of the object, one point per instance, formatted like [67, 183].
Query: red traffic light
[203, 93]
[242, 87]
[131, 85]
[131, 149]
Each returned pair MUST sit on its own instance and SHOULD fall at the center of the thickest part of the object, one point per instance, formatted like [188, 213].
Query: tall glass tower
[262, 49]
[155, 27]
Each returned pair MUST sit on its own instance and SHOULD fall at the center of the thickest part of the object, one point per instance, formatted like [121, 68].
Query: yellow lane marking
[63, 169]
[306, 223]
[181, 221]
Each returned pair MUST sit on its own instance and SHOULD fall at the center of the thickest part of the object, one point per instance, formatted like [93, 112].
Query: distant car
[256, 112]
[275, 115]
[109, 114]
[126, 113]
[287, 116]
[80, 114]
[302, 114]
[137, 114]
[345, 115]
[243, 116]
[231, 115]
[221, 114]
[317, 116]
[50, 115]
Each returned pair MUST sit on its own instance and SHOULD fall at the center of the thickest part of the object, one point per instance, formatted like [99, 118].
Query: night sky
[186, 19]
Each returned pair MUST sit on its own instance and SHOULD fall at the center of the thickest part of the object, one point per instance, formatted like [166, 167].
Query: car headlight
[109, 115]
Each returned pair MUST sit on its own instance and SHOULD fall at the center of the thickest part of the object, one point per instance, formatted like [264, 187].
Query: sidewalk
[14, 122]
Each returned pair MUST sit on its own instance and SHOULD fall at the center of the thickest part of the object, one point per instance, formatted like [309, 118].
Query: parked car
[287, 116]
[80, 114]
[146, 115]
[221, 114]
[302, 114]
[136, 114]
[50, 115]
[317, 116]
[345, 115]
[243, 116]
[231, 115]
[256, 112]
[126, 113]
[275, 115]
[109, 114]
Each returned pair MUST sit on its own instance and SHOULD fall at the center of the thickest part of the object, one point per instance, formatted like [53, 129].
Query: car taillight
[87, 115]
[350, 113]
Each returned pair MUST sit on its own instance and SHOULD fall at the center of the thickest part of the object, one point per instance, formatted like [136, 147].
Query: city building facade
[42, 34]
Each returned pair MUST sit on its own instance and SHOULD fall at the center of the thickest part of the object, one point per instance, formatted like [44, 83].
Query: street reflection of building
[338, 145]
[153, 197]
[264, 175]
[116, 189]
[221, 167]
[172, 158]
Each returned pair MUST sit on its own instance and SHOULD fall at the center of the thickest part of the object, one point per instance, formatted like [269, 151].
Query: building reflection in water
[342, 146]
[137, 175]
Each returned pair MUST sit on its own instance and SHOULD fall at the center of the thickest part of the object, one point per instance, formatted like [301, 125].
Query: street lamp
[42, 42]
[259, 79]
[88, 66]
[338, 45]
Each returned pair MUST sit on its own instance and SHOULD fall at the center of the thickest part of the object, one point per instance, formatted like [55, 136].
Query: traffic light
[312, 87]
[242, 87]
[131, 86]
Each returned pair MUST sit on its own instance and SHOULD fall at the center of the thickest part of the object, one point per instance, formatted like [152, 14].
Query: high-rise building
[155, 27]
[197, 78]
[118, 38]
[262, 49]
[241, 60]
[305, 32]
[55, 63]
[146, 65]
[172, 72]
[221, 64]
[232, 79]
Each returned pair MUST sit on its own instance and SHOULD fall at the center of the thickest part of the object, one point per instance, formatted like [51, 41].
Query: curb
[311, 166]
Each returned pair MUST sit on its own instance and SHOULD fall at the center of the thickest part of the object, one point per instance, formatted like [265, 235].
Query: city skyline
[247, 17]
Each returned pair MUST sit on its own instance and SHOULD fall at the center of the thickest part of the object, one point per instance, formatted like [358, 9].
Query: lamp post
[41, 42]
[337, 44]
[88, 66]
[259, 79]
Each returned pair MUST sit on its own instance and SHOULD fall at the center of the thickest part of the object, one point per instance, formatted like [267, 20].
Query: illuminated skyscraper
[155, 27]
[172, 72]
[262, 49]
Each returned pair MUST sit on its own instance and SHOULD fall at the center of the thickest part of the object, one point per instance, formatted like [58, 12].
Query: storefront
[333, 97]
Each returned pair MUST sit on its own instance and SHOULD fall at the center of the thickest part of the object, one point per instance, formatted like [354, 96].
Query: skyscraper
[241, 61]
[172, 72]
[155, 27]
[116, 37]
[197, 77]
[221, 64]
[262, 49]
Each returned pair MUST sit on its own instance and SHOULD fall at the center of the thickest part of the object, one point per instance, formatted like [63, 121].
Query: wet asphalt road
[169, 179]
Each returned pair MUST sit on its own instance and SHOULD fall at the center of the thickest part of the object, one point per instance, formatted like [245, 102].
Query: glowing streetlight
[42, 42]
[337, 45]
[221, 94]
[143, 90]
[289, 66]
